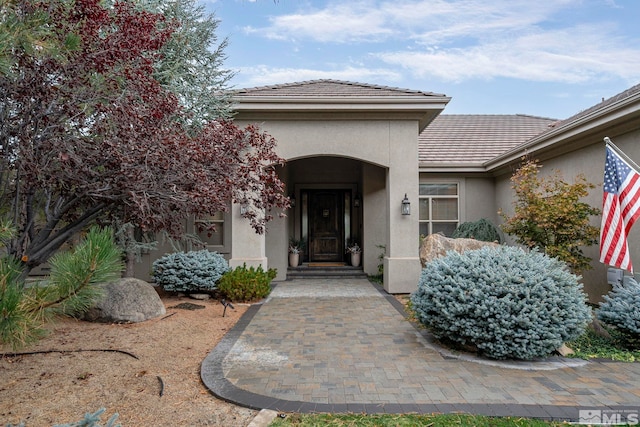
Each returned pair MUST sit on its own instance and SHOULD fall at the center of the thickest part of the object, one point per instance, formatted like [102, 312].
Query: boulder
[127, 300]
[565, 350]
[436, 246]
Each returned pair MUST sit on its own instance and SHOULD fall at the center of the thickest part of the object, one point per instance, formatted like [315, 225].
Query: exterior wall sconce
[243, 209]
[292, 200]
[406, 205]
[356, 201]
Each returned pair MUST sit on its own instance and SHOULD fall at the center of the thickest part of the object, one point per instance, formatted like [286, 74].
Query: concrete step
[319, 271]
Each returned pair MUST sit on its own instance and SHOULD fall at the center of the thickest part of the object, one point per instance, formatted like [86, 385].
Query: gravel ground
[161, 387]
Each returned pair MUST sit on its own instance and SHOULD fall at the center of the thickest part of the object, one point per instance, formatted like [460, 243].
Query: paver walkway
[343, 345]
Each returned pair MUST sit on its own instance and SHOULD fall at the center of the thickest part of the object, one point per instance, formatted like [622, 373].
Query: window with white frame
[438, 208]
[213, 239]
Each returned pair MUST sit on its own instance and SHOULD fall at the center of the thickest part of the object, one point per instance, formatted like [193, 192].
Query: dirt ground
[160, 388]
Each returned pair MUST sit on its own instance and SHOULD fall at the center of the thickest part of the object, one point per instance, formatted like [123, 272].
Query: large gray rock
[127, 300]
[436, 246]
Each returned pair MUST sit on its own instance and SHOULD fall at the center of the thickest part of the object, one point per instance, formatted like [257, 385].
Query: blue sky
[550, 58]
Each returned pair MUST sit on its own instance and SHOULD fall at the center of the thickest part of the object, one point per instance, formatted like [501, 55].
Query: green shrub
[191, 271]
[506, 302]
[246, 284]
[621, 309]
[481, 229]
[69, 290]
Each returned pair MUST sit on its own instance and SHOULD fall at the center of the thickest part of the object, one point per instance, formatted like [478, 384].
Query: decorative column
[247, 246]
[402, 262]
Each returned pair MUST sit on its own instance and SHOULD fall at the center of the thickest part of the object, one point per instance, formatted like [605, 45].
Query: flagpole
[619, 152]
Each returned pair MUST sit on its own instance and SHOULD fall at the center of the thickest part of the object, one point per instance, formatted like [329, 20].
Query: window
[438, 208]
[213, 240]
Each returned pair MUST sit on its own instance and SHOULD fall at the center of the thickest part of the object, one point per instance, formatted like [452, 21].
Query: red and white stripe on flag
[620, 209]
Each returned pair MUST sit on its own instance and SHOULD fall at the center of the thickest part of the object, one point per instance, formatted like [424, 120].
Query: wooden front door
[326, 226]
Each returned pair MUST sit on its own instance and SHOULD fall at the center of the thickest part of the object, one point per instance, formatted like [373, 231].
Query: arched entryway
[327, 214]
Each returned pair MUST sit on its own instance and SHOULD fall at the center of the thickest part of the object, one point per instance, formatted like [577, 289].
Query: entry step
[315, 270]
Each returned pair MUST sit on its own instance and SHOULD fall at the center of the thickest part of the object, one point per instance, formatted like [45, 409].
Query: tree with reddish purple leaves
[89, 134]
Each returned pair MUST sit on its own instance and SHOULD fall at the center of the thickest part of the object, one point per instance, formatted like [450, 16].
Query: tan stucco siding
[588, 161]
[366, 140]
[374, 216]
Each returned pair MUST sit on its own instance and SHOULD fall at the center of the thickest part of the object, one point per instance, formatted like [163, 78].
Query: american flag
[620, 209]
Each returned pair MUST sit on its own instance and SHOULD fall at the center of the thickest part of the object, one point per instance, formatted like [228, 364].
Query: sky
[548, 58]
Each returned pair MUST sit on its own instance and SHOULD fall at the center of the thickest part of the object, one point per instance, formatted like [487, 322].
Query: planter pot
[355, 259]
[294, 260]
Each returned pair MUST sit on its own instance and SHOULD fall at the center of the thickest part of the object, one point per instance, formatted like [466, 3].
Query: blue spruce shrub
[621, 309]
[506, 302]
[190, 271]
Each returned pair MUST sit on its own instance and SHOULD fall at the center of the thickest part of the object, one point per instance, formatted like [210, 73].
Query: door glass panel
[347, 217]
[305, 218]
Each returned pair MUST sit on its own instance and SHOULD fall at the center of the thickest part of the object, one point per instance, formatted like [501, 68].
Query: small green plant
[482, 229]
[621, 309]
[353, 248]
[296, 246]
[70, 289]
[244, 284]
[193, 271]
[592, 345]
[550, 216]
[379, 277]
[504, 301]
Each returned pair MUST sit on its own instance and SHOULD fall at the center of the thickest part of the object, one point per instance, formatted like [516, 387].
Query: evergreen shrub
[246, 284]
[506, 302]
[621, 309]
[482, 229]
[70, 289]
[191, 271]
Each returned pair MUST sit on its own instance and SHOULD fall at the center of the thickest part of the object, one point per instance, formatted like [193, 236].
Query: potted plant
[296, 246]
[356, 252]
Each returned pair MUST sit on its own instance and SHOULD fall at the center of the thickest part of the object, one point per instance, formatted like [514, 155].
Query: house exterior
[354, 151]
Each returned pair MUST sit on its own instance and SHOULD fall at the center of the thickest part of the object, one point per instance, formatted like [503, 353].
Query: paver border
[213, 378]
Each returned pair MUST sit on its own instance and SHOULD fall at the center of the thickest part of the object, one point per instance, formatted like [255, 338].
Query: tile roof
[634, 90]
[327, 88]
[470, 139]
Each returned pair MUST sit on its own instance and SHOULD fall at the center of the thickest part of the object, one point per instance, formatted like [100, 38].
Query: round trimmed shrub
[508, 303]
[190, 271]
[244, 284]
[621, 309]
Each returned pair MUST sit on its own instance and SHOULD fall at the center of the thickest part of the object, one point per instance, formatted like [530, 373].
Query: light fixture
[243, 209]
[292, 200]
[406, 205]
[356, 201]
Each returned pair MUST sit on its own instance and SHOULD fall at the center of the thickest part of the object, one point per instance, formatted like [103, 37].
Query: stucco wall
[374, 216]
[384, 162]
[588, 161]
[477, 198]
[367, 140]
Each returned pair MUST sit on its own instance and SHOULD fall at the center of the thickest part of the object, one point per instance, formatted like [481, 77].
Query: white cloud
[427, 20]
[338, 24]
[573, 55]
[264, 75]
[456, 40]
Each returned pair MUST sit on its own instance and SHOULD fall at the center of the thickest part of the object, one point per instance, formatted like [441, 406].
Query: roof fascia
[451, 168]
[600, 119]
[425, 108]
